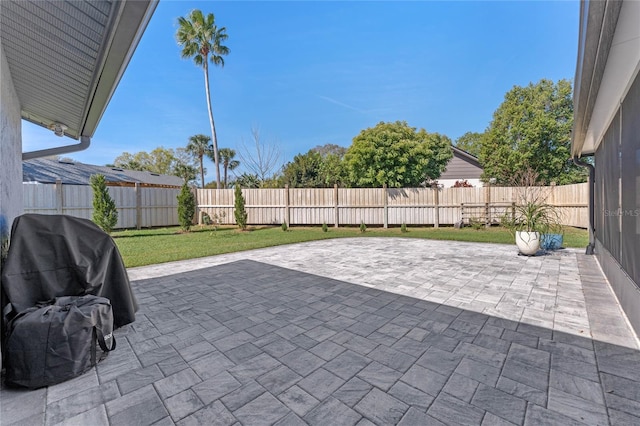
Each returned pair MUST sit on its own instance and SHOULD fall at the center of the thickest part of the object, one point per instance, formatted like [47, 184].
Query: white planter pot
[528, 242]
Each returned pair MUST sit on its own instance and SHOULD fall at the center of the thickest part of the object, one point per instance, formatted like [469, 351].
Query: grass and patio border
[160, 245]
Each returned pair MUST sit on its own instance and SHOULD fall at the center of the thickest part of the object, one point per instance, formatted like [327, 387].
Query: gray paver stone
[139, 407]
[451, 410]
[213, 414]
[381, 408]
[501, 404]
[183, 404]
[379, 375]
[332, 412]
[321, 383]
[426, 380]
[216, 387]
[263, 410]
[298, 400]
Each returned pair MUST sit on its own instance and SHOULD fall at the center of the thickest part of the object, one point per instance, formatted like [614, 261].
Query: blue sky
[310, 73]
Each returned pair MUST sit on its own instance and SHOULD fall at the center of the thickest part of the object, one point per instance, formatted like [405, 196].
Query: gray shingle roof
[43, 170]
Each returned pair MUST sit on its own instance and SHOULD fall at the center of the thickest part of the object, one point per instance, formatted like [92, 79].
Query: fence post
[487, 208]
[287, 211]
[335, 203]
[385, 205]
[436, 216]
[138, 192]
[59, 197]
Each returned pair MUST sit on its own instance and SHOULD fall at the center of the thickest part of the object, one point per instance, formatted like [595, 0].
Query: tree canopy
[470, 142]
[227, 156]
[532, 129]
[320, 167]
[397, 155]
[304, 171]
[164, 161]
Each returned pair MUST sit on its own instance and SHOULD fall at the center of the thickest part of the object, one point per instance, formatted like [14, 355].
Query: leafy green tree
[332, 170]
[304, 171]
[128, 161]
[470, 142]
[532, 129]
[320, 167]
[199, 146]
[105, 214]
[186, 207]
[201, 39]
[397, 155]
[248, 180]
[186, 165]
[164, 161]
[239, 211]
[227, 156]
[330, 149]
[185, 171]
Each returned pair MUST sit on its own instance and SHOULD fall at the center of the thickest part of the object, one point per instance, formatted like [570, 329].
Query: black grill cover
[57, 255]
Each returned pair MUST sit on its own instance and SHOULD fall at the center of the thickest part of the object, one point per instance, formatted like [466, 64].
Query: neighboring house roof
[66, 57]
[43, 170]
[462, 166]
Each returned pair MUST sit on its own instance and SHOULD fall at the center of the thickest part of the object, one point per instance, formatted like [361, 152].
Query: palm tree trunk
[226, 166]
[214, 139]
[201, 172]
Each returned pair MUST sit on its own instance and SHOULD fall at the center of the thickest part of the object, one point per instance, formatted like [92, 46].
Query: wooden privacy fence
[143, 207]
[388, 206]
[138, 206]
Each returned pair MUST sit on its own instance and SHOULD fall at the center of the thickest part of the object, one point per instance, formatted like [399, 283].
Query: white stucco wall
[10, 147]
[448, 183]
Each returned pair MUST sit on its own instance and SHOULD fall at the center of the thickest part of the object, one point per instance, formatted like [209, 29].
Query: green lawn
[151, 246]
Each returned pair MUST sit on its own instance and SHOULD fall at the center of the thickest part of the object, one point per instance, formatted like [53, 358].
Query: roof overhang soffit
[598, 20]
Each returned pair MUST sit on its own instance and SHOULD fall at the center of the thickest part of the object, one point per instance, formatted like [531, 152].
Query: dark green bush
[240, 213]
[105, 214]
[186, 207]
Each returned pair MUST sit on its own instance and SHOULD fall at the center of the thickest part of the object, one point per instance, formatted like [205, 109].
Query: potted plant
[533, 220]
[532, 216]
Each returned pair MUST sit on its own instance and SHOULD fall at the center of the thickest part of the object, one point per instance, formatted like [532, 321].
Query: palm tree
[201, 39]
[228, 163]
[199, 146]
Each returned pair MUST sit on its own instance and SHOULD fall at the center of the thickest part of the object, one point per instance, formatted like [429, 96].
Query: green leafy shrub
[186, 207]
[476, 224]
[206, 219]
[284, 226]
[217, 219]
[240, 213]
[363, 227]
[105, 214]
[403, 228]
[325, 228]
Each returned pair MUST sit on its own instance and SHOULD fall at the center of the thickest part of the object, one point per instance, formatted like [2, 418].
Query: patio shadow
[261, 344]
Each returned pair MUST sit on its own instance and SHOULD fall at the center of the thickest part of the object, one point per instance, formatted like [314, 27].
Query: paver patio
[360, 331]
